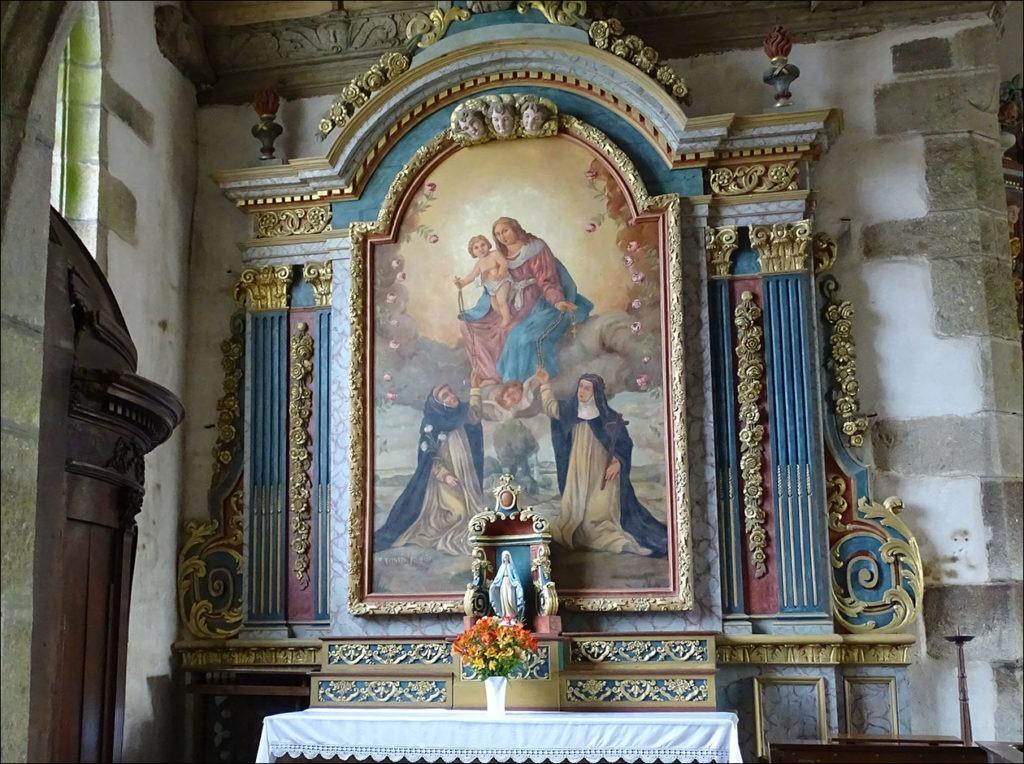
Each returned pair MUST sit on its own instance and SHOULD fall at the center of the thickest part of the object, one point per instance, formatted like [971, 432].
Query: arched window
[75, 176]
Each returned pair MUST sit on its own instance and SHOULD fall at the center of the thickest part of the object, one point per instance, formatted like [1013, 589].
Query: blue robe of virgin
[544, 324]
[407, 508]
[610, 429]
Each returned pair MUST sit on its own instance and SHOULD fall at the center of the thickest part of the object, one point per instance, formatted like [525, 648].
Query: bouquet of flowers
[495, 647]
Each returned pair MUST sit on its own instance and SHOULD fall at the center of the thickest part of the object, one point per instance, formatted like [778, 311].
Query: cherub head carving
[534, 115]
[471, 124]
[503, 119]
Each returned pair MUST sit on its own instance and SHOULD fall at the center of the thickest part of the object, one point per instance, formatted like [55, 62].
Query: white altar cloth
[447, 735]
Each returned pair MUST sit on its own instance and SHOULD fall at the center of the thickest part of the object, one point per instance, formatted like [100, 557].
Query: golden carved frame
[665, 206]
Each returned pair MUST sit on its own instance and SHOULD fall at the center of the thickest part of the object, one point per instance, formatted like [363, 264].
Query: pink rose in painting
[635, 327]
[591, 227]
[638, 277]
[394, 344]
[431, 187]
[390, 298]
[400, 276]
[433, 238]
[642, 381]
[591, 174]
[628, 261]
[633, 246]
[391, 395]
[393, 322]
[387, 376]
[396, 264]
[636, 305]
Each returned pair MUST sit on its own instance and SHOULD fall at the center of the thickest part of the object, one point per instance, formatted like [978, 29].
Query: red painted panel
[299, 606]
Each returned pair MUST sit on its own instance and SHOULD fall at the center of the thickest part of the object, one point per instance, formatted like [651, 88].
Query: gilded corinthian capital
[720, 243]
[266, 288]
[782, 247]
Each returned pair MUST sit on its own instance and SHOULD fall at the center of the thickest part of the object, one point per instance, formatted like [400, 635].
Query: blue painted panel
[745, 261]
[656, 175]
[723, 400]
[267, 549]
[301, 294]
[798, 469]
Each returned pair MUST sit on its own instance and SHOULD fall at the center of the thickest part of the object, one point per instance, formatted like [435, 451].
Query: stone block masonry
[946, 90]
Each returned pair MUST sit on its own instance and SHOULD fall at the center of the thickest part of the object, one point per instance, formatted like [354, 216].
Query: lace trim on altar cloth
[518, 755]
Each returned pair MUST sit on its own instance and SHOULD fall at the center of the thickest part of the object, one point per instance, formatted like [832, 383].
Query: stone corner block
[117, 206]
[989, 443]
[973, 296]
[944, 103]
[964, 170]
[990, 612]
[922, 55]
[1002, 373]
[947, 234]
[977, 47]
[1001, 502]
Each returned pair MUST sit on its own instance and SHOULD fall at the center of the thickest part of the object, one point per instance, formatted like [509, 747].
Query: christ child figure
[492, 270]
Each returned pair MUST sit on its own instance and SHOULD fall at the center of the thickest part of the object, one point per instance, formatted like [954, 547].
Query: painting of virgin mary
[549, 306]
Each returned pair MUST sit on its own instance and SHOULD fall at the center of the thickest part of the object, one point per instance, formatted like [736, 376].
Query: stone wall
[146, 186]
[925, 262]
[147, 197]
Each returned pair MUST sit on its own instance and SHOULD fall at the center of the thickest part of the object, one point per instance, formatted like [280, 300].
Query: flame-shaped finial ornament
[777, 45]
[265, 103]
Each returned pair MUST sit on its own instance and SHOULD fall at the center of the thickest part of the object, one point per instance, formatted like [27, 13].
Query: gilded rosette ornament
[842, 363]
[300, 410]
[609, 34]
[749, 384]
[266, 288]
[427, 31]
[295, 221]
[319, 276]
[877, 575]
[720, 243]
[754, 178]
[782, 247]
[357, 92]
[229, 408]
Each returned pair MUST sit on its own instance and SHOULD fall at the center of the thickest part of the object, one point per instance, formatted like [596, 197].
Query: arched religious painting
[520, 293]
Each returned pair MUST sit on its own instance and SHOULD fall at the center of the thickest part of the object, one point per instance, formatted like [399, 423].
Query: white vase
[496, 686]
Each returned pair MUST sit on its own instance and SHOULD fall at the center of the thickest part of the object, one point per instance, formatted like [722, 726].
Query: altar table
[519, 736]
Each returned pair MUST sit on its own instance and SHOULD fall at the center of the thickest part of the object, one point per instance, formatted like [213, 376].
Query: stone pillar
[946, 91]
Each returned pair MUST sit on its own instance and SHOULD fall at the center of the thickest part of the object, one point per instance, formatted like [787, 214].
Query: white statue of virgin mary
[506, 591]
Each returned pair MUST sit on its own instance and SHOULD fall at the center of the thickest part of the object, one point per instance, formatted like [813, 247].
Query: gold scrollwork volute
[431, 29]
[782, 247]
[825, 251]
[749, 384]
[877, 574]
[266, 288]
[210, 574]
[842, 363]
[564, 12]
[720, 243]
[300, 410]
[754, 178]
[294, 221]
[320, 277]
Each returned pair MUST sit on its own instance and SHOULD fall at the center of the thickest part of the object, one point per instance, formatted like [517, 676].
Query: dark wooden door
[98, 420]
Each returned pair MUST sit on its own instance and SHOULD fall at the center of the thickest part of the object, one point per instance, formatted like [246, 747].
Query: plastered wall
[924, 260]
